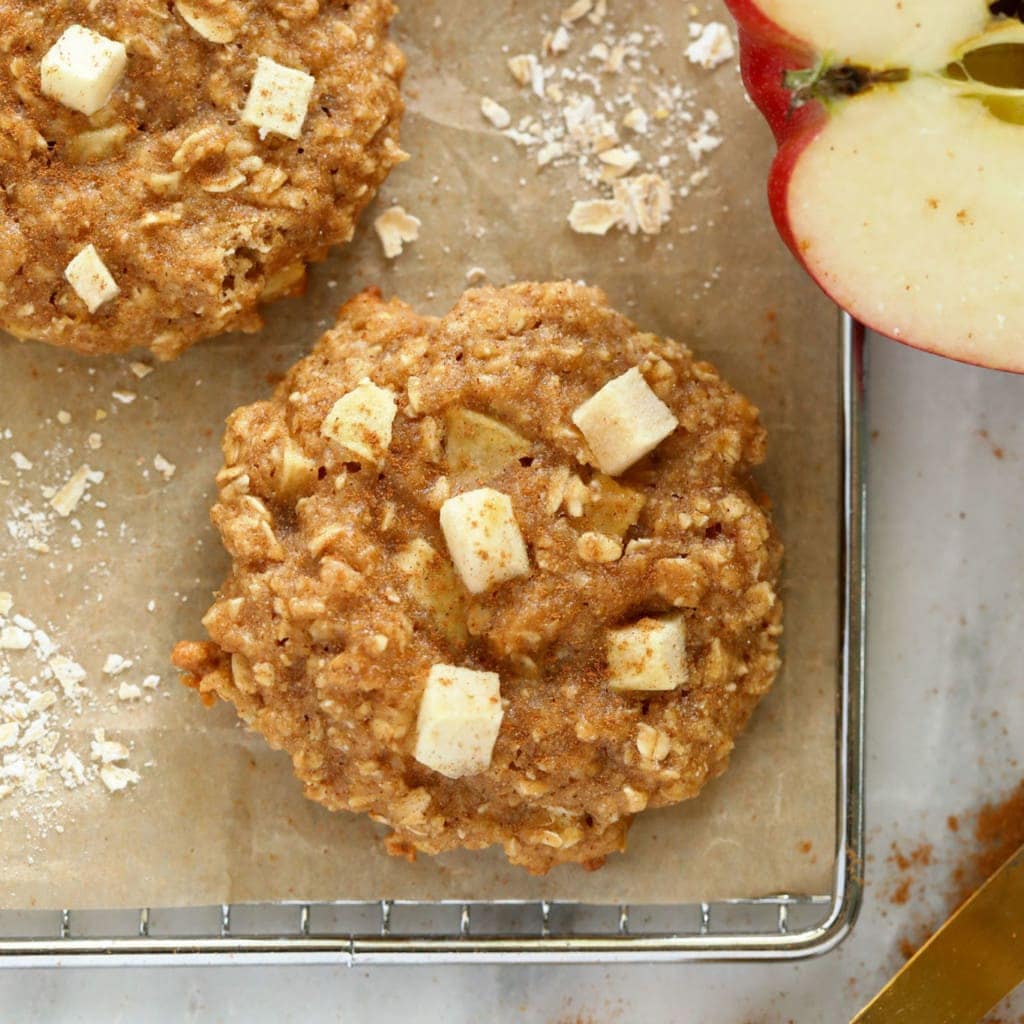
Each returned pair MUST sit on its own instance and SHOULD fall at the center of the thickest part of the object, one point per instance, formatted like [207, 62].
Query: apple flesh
[897, 181]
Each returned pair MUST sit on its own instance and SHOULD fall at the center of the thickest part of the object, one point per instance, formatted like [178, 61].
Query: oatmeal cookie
[500, 577]
[165, 167]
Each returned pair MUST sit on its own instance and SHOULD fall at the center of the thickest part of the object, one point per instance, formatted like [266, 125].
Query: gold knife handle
[975, 960]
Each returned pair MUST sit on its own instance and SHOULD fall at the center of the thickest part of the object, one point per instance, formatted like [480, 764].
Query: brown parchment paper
[217, 817]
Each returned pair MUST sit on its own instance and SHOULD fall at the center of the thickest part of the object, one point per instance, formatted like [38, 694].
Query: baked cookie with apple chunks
[170, 166]
[500, 577]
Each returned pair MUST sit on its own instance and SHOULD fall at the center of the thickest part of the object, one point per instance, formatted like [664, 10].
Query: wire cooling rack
[781, 927]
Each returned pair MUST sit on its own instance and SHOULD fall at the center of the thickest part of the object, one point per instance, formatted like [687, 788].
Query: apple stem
[826, 81]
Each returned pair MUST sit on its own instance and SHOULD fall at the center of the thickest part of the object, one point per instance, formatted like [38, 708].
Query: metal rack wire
[356, 933]
[787, 926]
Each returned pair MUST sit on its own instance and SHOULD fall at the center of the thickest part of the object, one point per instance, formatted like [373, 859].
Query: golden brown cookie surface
[631, 636]
[234, 141]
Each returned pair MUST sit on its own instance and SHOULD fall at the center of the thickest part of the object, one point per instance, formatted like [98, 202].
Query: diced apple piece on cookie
[613, 509]
[484, 539]
[361, 421]
[82, 69]
[459, 721]
[289, 280]
[435, 587]
[649, 655]
[623, 422]
[479, 446]
[297, 472]
[97, 144]
[92, 281]
[278, 99]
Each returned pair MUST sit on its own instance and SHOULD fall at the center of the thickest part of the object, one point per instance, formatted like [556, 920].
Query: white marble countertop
[945, 732]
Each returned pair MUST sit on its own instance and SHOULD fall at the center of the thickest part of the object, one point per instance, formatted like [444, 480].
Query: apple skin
[764, 60]
[767, 53]
[794, 129]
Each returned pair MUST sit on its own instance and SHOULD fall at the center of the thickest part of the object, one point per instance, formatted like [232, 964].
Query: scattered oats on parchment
[596, 97]
[42, 696]
[46, 694]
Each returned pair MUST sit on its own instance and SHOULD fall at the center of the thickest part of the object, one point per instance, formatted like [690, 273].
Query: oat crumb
[576, 10]
[395, 228]
[712, 45]
[116, 778]
[14, 638]
[66, 499]
[165, 468]
[587, 86]
[115, 664]
[595, 216]
[495, 113]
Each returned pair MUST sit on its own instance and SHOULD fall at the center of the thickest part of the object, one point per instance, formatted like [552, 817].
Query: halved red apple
[899, 181]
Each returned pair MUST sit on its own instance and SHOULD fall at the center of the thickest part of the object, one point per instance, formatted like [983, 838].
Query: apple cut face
[900, 178]
[877, 33]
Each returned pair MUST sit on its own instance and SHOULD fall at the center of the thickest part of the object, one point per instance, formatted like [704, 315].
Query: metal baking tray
[786, 926]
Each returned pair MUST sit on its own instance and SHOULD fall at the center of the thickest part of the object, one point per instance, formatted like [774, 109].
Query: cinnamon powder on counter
[997, 833]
